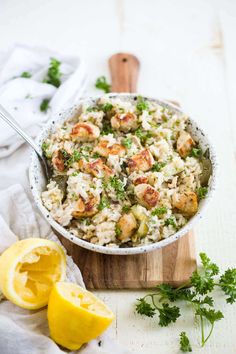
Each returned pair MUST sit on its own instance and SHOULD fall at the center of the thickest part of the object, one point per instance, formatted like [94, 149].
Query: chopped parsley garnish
[96, 155]
[127, 142]
[118, 231]
[104, 203]
[142, 105]
[45, 147]
[26, 75]
[102, 84]
[125, 208]
[202, 192]
[157, 166]
[54, 74]
[44, 105]
[74, 174]
[196, 152]
[107, 128]
[107, 107]
[118, 186]
[159, 211]
[196, 292]
[171, 221]
[143, 135]
[70, 159]
[184, 342]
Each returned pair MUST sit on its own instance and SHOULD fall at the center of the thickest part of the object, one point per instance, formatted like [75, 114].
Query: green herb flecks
[159, 211]
[118, 231]
[107, 107]
[26, 75]
[157, 166]
[184, 342]
[118, 187]
[127, 142]
[143, 135]
[202, 192]
[102, 84]
[107, 128]
[196, 152]
[126, 208]
[54, 74]
[44, 106]
[104, 203]
[45, 147]
[142, 105]
[171, 221]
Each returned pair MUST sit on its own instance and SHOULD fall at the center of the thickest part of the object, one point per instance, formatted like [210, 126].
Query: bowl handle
[124, 68]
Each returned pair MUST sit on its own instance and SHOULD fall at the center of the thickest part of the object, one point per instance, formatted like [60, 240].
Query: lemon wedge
[28, 270]
[75, 315]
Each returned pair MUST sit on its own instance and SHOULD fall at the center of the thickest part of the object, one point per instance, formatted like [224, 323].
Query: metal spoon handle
[11, 121]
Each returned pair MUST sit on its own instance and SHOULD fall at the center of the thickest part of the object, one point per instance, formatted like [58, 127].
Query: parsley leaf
[143, 135]
[168, 314]
[117, 230]
[127, 142]
[184, 343]
[203, 281]
[144, 308]
[102, 84]
[171, 221]
[159, 211]
[44, 105]
[54, 74]
[118, 186]
[26, 75]
[107, 107]
[125, 208]
[196, 152]
[157, 166]
[202, 192]
[104, 203]
[228, 284]
[142, 105]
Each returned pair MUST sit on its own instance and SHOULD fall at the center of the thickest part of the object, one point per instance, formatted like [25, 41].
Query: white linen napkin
[22, 96]
[24, 331]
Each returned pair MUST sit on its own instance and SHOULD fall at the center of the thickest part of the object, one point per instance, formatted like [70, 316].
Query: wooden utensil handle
[124, 68]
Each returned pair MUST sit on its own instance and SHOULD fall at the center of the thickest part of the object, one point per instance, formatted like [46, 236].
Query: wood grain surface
[172, 264]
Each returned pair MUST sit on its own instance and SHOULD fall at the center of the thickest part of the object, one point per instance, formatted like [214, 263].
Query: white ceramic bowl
[38, 183]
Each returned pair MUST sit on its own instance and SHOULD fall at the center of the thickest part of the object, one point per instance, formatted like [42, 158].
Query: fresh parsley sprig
[54, 74]
[198, 292]
[184, 342]
[102, 84]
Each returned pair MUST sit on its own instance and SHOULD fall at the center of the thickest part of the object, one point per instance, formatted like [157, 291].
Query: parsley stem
[202, 330]
[212, 327]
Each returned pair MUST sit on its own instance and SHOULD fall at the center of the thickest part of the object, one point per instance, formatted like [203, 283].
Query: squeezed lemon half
[28, 270]
[75, 315]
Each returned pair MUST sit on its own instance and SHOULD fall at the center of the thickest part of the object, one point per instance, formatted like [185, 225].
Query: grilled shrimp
[104, 150]
[127, 225]
[97, 168]
[146, 195]
[184, 143]
[187, 203]
[124, 122]
[58, 161]
[85, 132]
[88, 208]
[142, 161]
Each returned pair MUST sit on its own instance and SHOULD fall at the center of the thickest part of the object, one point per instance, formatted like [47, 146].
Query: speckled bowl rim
[109, 250]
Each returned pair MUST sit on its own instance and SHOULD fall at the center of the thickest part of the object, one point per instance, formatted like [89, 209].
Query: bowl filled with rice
[130, 174]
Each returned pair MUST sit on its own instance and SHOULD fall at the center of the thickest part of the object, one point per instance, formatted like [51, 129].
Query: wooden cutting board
[172, 264]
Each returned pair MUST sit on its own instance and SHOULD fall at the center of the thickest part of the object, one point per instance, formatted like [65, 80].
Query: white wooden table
[187, 50]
